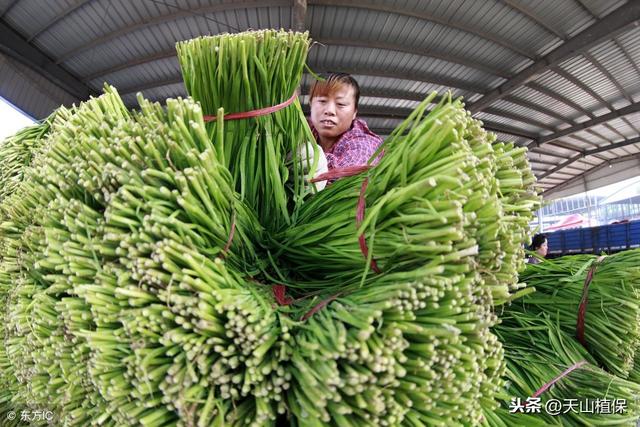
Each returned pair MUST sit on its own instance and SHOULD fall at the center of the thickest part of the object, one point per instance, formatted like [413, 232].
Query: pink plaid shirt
[354, 148]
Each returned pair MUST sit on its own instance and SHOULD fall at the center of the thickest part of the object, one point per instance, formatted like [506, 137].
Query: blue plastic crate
[605, 238]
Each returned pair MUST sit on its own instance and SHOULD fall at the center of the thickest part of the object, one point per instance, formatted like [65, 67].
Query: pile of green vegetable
[17, 151]
[537, 351]
[245, 72]
[612, 311]
[544, 334]
[159, 267]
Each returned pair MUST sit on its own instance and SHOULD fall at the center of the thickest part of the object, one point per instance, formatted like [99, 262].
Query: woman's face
[543, 249]
[332, 114]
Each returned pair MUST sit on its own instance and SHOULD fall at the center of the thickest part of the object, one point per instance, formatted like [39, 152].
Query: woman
[540, 246]
[345, 139]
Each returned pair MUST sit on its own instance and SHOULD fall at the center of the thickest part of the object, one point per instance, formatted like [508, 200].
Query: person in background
[540, 246]
[345, 139]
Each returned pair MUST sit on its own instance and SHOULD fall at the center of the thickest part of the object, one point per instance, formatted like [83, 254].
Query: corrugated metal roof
[157, 71]
[23, 18]
[500, 136]
[378, 123]
[40, 95]
[500, 20]
[634, 120]
[537, 97]
[568, 90]
[530, 112]
[547, 157]
[399, 50]
[622, 67]
[559, 152]
[400, 64]
[409, 32]
[589, 136]
[601, 8]
[499, 119]
[562, 16]
[616, 130]
[575, 140]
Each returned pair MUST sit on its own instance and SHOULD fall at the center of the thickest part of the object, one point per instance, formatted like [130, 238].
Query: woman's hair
[537, 241]
[333, 82]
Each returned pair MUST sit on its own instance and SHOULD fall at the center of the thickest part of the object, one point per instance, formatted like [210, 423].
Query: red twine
[254, 113]
[359, 218]
[558, 378]
[340, 173]
[582, 308]
[231, 234]
[280, 296]
[319, 306]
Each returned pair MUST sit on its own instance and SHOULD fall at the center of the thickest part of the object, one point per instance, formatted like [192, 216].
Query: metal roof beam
[563, 175]
[566, 146]
[592, 152]
[519, 117]
[577, 138]
[151, 85]
[520, 7]
[299, 15]
[599, 135]
[537, 169]
[584, 7]
[14, 45]
[549, 112]
[553, 95]
[606, 28]
[422, 14]
[489, 126]
[174, 15]
[57, 18]
[443, 56]
[560, 166]
[608, 75]
[584, 141]
[613, 146]
[499, 127]
[631, 125]
[10, 6]
[543, 162]
[627, 56]
[138, 61]
[616, 132]
[577, 178]
[334, 42]
[561, 156]
[576, 81]
[630, 109]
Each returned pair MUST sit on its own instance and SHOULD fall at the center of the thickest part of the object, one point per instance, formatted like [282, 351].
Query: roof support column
[299, 13]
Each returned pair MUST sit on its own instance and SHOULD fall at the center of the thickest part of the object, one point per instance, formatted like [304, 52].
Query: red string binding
[232, 233]
[582, 308]
[279, 292]
[319, 306]
[341, 173]
[558, 378]
[254, 113]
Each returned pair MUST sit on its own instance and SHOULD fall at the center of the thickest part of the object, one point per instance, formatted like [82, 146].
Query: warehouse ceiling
[560, 77]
